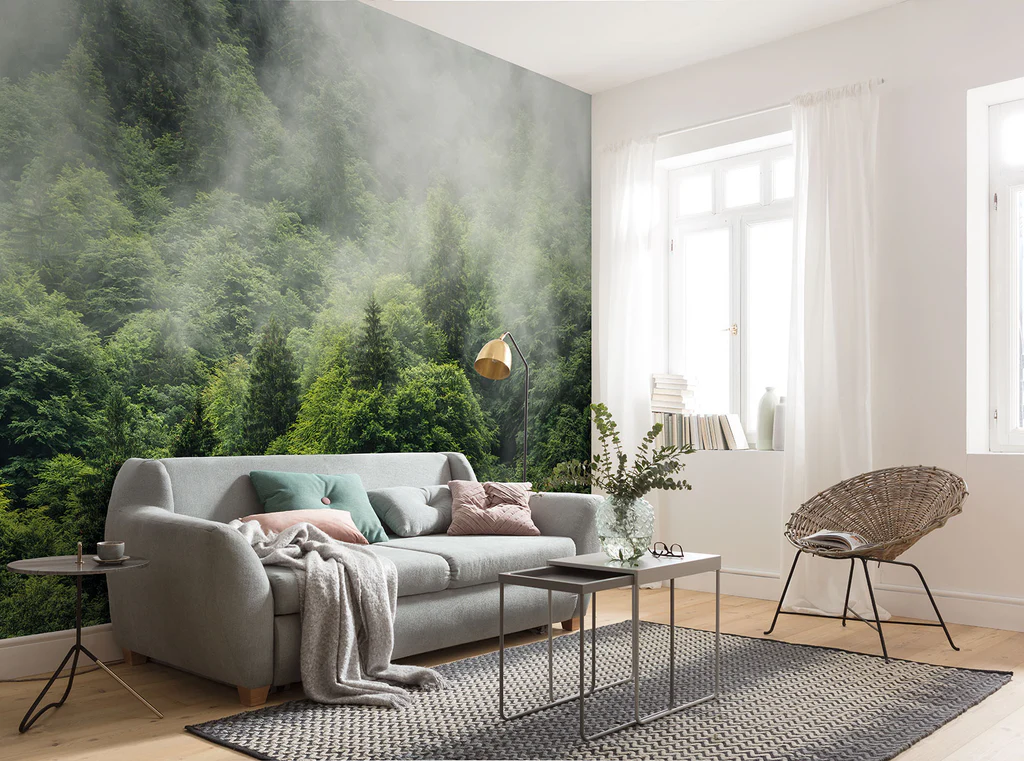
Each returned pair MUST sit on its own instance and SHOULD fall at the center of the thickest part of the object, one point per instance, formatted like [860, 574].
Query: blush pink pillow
[337, 524]
[491, 508]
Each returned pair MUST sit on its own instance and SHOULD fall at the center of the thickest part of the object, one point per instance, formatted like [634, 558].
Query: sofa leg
[570, 625]
[251, 697]
[132, 658]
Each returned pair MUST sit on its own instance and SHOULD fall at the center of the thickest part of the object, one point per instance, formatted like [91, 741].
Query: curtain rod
[716, 122]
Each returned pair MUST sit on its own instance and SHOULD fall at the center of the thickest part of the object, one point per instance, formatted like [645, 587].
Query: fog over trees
[234, 227]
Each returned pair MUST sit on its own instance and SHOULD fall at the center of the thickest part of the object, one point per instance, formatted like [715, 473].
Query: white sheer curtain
[828, 416]
[624, 281]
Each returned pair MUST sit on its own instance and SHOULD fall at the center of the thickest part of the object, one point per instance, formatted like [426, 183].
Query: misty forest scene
[232, 227]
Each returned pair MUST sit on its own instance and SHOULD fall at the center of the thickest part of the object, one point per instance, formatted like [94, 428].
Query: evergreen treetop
[375, 362]
[196, 436]
[273, 399]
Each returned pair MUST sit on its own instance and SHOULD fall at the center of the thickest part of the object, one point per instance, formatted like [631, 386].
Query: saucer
[118, 561]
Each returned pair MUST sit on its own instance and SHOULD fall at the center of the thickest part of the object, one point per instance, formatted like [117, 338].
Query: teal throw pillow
[280, 491]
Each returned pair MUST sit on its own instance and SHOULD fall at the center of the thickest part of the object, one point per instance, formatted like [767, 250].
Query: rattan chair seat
[891, 508]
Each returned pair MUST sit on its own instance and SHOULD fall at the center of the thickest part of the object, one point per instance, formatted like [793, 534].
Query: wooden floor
[102, 721]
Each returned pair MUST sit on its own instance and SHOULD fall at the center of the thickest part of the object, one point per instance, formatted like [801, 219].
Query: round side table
[68, 565]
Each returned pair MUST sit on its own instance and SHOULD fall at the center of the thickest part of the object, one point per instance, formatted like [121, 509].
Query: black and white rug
[780, 702]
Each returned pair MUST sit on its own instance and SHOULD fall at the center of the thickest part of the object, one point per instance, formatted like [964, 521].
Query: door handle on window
[734, 329]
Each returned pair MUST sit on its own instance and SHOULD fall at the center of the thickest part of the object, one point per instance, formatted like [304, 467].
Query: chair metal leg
[784, 590]
[874, 607]
[931, 599]
[849, 584]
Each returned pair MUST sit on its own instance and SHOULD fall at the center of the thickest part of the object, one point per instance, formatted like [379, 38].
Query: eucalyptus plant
[652, 468]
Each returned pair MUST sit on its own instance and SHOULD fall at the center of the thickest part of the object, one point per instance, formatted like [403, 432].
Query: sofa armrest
[203, 604]
[571, 515]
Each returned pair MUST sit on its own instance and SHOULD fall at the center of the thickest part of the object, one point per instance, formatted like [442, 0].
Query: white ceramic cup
[109, 550]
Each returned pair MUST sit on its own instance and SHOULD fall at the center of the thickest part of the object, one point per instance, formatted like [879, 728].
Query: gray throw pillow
[413, 510]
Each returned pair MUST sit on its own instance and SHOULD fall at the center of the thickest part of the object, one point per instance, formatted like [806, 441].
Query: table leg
[593, 641]
[671, 642]
[29, 719]
[636, 650]
[672, 708]
[72, 654]
[501, 650]
[551, 657]
[583, 675]
[121, 682]
[718, 633]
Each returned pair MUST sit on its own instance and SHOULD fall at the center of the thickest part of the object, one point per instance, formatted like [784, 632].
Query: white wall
[930, 52]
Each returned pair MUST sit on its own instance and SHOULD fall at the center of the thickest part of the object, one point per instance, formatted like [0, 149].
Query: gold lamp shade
[494, 360]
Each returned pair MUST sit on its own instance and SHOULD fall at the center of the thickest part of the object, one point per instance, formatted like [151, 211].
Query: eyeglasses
[662, 550]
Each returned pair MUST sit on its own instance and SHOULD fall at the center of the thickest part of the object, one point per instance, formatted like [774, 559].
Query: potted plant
[625, 519]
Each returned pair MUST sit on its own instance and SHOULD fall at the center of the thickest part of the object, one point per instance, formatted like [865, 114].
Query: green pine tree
[195, 435]
[446, 291]
[121, 421]
[375, 356]
[273, 399]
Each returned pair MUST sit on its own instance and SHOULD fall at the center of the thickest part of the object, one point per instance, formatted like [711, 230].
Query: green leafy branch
[652, 468]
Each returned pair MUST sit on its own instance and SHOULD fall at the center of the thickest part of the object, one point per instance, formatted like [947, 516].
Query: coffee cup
[110, 550]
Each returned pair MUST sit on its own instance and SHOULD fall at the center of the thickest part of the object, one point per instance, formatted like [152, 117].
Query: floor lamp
[495, 363]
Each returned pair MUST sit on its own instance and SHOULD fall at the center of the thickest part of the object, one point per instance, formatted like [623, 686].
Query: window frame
[1006, 365]
[738, 221]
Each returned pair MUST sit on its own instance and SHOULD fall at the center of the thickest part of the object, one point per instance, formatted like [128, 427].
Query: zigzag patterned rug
[780, 702]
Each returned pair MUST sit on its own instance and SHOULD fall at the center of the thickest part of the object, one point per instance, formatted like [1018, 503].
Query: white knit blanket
[347, 600]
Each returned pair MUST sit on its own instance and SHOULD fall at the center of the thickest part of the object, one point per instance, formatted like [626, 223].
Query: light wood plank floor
[101, 721]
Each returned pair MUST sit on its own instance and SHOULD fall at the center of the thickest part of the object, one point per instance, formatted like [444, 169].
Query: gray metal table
[589, 574]
[68, 565]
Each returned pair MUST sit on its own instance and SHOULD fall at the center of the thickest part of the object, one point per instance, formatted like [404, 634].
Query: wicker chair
[892, 509]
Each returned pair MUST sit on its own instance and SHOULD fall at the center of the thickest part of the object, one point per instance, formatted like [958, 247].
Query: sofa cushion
[413, 510]
[418, 573]
[337, 524]
[479, 559]
[491, 508]
[283, 490]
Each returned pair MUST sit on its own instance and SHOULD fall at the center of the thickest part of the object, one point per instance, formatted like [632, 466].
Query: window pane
[743, 186]
[1012, 140]
[783, 178]
[706, 318]
[695, 194]
[769, 274]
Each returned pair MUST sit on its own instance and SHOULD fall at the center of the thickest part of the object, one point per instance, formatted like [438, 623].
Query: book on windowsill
[835, 540]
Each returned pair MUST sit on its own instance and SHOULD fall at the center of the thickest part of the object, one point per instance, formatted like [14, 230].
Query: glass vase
[625, 528]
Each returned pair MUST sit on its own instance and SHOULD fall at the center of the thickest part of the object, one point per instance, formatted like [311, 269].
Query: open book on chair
[835, 540]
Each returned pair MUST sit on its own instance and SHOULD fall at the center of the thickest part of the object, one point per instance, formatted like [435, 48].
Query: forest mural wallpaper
[230, 227]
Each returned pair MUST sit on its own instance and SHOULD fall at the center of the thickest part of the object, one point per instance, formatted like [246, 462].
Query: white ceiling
[595, 45]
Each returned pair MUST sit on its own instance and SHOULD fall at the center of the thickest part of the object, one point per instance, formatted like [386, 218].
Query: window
[1006, 240]
[730, 268]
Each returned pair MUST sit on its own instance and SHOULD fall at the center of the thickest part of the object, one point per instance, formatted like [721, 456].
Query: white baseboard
[740, 582]
[41, 653]
[971, 608]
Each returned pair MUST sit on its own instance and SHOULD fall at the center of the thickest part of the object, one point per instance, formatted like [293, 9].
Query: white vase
[766, 418]
[779, 428]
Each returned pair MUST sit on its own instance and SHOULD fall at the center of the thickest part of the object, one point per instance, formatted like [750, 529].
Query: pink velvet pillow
[491, 508]
[337, 524]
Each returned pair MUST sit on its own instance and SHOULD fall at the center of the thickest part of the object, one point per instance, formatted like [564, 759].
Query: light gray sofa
[206, 605]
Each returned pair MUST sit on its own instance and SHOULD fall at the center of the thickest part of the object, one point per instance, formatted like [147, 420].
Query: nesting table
[68, 565]
[586, 575]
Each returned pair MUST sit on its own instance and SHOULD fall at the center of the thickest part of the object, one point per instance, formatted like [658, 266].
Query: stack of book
[688, 429]
[671, 393]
